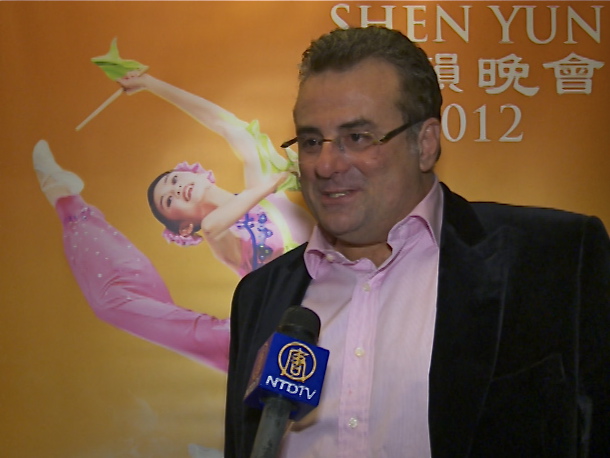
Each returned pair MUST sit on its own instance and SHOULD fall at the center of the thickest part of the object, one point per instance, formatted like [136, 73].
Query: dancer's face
[181, 196]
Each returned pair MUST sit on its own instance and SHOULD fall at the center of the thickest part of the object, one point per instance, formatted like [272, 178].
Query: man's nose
[332, 159]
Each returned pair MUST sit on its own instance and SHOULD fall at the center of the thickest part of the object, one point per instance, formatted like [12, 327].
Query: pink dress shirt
[378, 324]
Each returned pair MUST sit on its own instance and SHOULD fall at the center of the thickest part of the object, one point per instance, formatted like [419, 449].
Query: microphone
[286, 381]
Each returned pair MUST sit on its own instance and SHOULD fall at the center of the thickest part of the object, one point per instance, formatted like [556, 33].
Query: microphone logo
[296, 361]
[291, 369]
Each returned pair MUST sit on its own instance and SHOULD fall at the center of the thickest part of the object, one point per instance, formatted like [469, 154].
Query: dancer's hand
[134, 81]
[276, 180]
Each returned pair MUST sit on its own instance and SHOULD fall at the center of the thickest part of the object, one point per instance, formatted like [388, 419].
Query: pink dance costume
[264, 234]
[125, 290]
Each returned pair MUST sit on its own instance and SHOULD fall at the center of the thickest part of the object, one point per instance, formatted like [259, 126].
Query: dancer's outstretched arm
[225, 215]
[225, 245]
[235, 131]
[119, 282]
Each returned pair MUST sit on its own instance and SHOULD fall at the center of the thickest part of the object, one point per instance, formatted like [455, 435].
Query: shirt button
[359, 351]
[330, 257]
[353, 422]
[366, 287]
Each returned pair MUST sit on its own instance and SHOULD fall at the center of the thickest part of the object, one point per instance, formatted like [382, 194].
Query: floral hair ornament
[195, 168]
[182, 240]
[191, 239]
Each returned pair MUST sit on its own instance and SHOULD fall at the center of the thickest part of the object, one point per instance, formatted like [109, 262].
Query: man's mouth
[336, 195]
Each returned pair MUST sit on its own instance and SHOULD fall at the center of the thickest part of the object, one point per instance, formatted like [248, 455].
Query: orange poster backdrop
[526, 88]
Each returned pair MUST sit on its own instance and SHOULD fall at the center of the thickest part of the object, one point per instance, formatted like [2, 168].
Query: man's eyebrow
[360, 122]
[307, 130]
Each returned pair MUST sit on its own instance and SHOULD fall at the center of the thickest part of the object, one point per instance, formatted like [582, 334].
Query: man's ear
[185, 229]
[429, 141]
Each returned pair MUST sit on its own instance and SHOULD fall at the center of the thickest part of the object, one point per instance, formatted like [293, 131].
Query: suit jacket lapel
[286, 287]
[472, 274]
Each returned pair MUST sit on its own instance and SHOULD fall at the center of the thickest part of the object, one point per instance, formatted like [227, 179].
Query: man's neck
[377, 253]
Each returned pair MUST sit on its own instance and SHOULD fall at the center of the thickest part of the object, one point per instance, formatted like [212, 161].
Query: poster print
[525, 87]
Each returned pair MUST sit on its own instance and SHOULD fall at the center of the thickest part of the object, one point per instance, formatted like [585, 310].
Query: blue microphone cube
[289, 368]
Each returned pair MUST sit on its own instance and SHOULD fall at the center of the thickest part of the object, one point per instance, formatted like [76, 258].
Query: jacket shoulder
[534, 220]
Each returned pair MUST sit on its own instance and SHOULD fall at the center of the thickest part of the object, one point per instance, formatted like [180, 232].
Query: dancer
[244, 231]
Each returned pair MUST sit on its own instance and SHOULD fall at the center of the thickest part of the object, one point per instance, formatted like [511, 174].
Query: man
[455, 329]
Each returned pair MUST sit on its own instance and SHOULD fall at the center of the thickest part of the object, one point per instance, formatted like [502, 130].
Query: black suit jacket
[521, 355]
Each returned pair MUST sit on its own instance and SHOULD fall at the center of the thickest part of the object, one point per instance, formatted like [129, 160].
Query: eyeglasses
[352, 141]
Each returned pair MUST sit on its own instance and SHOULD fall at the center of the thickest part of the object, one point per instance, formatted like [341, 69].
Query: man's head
[340, 49]
[361, 84]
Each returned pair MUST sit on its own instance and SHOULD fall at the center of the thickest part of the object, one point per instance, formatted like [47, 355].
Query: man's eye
[309, 142]
[168, 202]
[358, 137]
[174, 179]
[357, 141]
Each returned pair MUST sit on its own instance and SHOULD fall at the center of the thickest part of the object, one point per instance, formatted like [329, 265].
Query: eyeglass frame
[380, 141]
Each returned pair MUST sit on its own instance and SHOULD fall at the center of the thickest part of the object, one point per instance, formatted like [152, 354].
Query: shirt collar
[428, 212]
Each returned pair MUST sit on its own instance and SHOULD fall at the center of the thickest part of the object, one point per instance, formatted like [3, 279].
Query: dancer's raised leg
[119, 282]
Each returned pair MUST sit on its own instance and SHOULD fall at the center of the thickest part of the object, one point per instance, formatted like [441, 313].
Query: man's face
[358, 197]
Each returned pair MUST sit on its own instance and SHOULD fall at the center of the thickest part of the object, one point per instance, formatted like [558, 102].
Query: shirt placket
[354, 406]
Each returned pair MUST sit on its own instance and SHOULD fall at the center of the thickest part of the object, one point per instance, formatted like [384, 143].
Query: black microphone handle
[272, 427]
[299, 323]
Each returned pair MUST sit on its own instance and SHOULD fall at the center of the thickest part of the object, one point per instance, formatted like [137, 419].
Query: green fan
[115, 67]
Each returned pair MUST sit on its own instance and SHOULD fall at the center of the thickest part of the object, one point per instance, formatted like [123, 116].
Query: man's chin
[345, 233]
